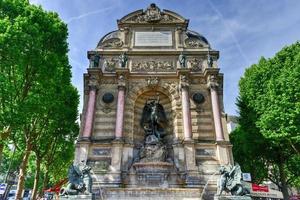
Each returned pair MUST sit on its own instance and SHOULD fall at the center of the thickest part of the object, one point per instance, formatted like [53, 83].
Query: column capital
[184, 82]
[93, 78]
[93, 82]
[121, 82]
[212, 82]
[183, 75]
[122, 74]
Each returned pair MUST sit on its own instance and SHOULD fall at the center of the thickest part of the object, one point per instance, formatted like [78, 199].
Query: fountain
[151, 164]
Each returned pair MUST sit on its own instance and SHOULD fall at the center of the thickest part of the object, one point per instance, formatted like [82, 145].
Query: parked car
[12, 194]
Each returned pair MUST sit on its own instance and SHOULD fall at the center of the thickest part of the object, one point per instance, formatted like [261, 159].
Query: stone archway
[136, 90]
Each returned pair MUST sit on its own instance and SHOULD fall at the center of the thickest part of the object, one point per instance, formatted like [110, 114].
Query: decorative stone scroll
[153, 66]
[152, 81]
[196, 64]
[152, 14]
[112, 43]
[193, 43]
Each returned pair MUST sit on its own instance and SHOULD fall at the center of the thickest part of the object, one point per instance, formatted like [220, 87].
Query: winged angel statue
[154, 119]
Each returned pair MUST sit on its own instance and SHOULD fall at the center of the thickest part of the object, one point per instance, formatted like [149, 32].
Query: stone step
[151, 194]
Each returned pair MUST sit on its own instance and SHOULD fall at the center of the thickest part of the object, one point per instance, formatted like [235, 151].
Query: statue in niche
[209, 60]
[94, 61]
[154, 119]
[123, 60]
[182, 60]
[153, 122]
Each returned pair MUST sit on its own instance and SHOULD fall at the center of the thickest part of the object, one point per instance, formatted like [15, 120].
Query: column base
[224, 152]
[190, 158]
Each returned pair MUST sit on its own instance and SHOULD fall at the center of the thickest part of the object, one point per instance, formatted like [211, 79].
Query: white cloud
[88, 14]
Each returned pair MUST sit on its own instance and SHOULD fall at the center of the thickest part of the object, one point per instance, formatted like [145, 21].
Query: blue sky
[241, 30]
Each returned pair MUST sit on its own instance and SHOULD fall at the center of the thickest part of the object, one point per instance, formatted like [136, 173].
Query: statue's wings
[162, 118]
[237, 174]
[145, 115]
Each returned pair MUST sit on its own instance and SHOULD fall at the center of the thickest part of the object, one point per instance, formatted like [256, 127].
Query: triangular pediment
[152, 15]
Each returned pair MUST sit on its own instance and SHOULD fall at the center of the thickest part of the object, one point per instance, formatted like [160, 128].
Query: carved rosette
[153, 66]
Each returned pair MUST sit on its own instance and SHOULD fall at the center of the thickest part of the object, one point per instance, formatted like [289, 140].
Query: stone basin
[152, 167]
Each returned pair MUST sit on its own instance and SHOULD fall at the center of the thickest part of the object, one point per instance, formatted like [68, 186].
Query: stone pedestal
[78, 197]
[117, 149]
[152, 193]
[224, 152]
[216, 197]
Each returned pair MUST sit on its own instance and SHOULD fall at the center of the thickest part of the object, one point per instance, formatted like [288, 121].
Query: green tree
[35, 89]
[267, 142]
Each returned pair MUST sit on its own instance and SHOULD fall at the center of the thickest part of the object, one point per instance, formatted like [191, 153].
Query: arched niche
[138, 132]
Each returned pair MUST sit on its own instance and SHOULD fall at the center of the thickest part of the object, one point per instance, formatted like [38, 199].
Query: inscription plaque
[101, 152]
[205, 152]
[154, 39]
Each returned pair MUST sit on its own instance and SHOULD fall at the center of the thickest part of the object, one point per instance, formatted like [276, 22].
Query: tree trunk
[45, 181]
[282, 176]
[3, 136]
[36, 178]
[22, 172]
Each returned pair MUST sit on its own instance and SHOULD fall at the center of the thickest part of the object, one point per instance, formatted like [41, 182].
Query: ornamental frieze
[153, 66]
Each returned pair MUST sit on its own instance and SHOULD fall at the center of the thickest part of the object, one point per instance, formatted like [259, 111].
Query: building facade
[153, 57]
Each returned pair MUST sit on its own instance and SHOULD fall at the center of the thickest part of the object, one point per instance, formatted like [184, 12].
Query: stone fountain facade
[153, 123]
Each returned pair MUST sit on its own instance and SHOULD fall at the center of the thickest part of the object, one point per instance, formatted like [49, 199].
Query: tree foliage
[38, 103]
[267, 141]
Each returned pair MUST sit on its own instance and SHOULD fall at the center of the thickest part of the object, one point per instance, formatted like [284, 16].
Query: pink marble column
[216, 114]
[89, 114]
[187, 123]
[120, 112]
